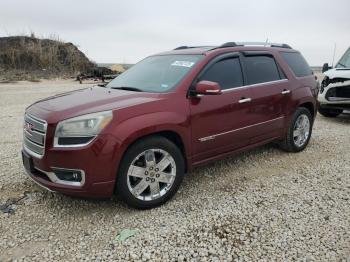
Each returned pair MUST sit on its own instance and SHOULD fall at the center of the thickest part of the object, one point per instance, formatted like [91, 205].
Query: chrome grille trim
[39, 125]
[35, 136]
[34, 139]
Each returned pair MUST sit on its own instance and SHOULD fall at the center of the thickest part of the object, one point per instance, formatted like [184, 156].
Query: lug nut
[157, 175]
[157, 169]
[147, 178]
[151, 168]
[152, 180]
[146, 173]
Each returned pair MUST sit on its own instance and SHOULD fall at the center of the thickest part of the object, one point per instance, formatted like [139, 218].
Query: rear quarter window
[297, 63]
[261, 69]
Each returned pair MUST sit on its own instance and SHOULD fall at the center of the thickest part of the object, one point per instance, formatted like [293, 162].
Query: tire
[291, 142]
[141, 183]
[329, 112]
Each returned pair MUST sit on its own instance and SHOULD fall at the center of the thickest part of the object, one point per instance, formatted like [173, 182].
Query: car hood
[338, 73]
[89, 100]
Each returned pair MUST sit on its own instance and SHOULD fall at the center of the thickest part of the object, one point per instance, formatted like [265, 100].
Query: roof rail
[188, 47]
[182, 47]
[233, 44]
[228, 44]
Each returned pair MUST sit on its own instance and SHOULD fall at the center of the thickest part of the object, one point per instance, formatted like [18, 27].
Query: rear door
[217, 120]
[270, 94]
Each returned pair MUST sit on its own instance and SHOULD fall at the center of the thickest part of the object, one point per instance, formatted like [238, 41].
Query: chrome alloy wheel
[151, 174]
[301, 130]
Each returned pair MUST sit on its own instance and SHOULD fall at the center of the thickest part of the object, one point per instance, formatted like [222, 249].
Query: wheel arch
[171, 135]
[309, 106]
[167, 133]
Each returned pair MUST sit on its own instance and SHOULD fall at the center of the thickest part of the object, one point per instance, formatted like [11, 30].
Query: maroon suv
[141, 133]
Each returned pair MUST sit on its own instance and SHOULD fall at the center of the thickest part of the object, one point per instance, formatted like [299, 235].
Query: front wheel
[150, 173]
[299, 131]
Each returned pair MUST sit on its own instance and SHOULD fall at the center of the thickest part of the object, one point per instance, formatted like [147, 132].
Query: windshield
[344, 61]
[156, 73]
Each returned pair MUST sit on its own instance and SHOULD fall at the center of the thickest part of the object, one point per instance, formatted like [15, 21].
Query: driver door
[219, 122]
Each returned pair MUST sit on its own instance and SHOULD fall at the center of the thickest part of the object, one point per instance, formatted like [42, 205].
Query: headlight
[81, 130]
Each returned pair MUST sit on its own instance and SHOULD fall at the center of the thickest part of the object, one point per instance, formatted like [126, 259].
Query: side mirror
[208, 88]
[326, 67]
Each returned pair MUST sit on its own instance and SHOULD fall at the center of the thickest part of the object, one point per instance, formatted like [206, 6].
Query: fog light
[68, 175]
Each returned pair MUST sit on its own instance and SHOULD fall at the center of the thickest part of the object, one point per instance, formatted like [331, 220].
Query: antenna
[335, 48]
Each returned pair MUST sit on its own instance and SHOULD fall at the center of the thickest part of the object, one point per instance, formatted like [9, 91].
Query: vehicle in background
[169, 113]
[334, 96]
[98, 73]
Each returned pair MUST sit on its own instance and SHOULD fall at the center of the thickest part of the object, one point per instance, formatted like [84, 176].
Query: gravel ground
[264, 204]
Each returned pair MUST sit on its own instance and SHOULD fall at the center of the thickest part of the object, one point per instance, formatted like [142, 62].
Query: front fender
[130, 130]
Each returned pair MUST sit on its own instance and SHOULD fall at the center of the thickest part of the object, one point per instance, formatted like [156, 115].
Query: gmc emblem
[28, 127]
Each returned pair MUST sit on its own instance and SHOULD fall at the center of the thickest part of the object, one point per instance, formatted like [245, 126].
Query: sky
[113, 31]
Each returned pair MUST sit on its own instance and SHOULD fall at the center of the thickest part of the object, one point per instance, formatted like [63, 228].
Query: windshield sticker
[183, 63]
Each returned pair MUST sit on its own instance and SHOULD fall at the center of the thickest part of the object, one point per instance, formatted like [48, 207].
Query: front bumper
[337, 93]
[97, 163]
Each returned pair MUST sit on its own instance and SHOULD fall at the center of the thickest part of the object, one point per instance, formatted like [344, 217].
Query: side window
[260, 69]
[297, 63]
[282, 74]
[227, 73]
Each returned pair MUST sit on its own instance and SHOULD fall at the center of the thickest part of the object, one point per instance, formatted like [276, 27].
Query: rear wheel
[329, 112]
[150, 173]
[299, 132]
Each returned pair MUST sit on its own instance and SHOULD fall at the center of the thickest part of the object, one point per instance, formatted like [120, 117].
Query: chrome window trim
[254, 85]
[203, 139]
[237, 54]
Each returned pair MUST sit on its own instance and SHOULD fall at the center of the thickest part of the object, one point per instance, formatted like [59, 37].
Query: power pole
[335, 48]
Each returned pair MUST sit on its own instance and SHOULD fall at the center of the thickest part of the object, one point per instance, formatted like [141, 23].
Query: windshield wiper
[128, 88]
[341, 64]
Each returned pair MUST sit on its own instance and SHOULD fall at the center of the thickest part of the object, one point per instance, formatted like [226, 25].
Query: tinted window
[261, 69]
[282, 74]
[227, 73]
[297, 63]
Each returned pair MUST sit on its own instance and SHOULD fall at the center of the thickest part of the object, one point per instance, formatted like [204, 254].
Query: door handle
[285, 92]
[244, 100]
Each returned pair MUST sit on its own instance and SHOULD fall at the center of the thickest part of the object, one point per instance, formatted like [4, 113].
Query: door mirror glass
[326, 67]
[208, 88]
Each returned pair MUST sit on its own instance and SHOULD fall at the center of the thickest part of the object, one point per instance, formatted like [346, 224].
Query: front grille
[34, 134]
[338, 93]
[343, 91]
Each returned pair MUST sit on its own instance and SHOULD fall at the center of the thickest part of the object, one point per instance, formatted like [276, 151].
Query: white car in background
[334, 96]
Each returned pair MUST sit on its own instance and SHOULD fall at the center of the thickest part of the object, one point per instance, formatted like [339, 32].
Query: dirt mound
[22, 57]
